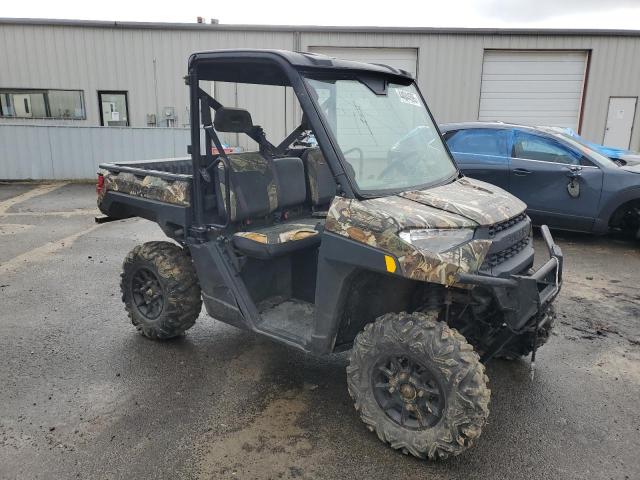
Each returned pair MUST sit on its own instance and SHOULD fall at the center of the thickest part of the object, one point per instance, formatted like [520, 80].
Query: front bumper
[524, 299]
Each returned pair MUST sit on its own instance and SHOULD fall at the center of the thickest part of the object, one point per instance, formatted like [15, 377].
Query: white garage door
[402, 58]
[533, 88]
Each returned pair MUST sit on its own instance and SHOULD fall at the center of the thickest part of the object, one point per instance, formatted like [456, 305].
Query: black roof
[266, 66]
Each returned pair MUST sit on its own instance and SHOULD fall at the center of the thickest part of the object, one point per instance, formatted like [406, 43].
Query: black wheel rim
[408, 392]
[147, 293]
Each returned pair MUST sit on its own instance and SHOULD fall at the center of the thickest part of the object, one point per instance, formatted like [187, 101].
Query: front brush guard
[523, 299]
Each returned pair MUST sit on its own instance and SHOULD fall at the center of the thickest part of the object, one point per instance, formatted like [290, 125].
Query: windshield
[585, 148]
[388, 139]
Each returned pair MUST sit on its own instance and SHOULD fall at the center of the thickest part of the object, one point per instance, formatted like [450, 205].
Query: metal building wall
[149, 61]
[36, 152]
[450, 69]
[140, 61]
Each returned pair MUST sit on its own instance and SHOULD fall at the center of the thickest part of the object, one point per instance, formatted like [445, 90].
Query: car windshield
[387, 137]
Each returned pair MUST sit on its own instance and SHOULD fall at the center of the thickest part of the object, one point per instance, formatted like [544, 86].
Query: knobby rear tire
[176, 275]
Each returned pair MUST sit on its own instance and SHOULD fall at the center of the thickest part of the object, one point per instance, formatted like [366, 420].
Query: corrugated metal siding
[450, 68]
[93, 58]
[40, 152]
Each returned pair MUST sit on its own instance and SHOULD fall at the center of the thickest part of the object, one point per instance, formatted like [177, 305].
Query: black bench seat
[261, 187]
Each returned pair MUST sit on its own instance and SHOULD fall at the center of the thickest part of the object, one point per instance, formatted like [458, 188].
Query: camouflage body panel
[249, 162]
[177, 192]
[443, 267]
[377, 222]
[364, 218]
[482, 202]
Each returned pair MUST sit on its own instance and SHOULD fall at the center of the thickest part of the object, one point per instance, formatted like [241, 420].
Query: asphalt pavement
[82, 395]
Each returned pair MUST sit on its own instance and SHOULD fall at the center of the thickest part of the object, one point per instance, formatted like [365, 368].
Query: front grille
[498, 227]
[494, 259]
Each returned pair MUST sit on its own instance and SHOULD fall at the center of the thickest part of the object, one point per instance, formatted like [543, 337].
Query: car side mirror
[574, 171]
[234, 120]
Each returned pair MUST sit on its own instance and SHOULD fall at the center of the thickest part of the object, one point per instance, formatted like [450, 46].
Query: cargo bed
[158, 190]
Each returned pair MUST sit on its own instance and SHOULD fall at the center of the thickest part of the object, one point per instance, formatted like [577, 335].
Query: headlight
[437, 240]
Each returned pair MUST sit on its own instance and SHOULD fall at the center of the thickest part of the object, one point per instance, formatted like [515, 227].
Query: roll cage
[267, 67]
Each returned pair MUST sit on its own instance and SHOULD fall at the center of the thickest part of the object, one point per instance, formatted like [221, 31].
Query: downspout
[155, 88]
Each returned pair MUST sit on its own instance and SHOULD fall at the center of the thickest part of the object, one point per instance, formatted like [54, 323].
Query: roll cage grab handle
[207, 103]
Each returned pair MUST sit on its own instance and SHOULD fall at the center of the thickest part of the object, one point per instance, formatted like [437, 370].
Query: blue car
[565, 183]
[619, 155]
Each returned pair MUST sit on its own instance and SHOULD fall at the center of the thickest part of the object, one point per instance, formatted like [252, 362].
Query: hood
[481, 202]
[377, 222]
[631, 163]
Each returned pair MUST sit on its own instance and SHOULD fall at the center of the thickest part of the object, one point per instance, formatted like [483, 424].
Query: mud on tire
[160, 290]
[448, 358]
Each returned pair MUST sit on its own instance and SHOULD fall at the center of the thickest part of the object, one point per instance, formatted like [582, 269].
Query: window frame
[113, 92]
[47, 103]
[578, 156]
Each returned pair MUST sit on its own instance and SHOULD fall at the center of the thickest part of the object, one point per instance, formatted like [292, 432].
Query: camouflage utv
[356, 231]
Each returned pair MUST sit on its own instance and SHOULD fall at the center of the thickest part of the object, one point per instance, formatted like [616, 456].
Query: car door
[559, 185]
[482, 153]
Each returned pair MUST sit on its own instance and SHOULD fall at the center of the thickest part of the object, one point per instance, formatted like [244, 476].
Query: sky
[604, 14]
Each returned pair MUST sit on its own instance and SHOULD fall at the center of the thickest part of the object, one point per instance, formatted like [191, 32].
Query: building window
[114, 109]
[31, 103]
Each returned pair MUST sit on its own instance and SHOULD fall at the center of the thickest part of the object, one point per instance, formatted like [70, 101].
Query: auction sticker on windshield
[409, 97]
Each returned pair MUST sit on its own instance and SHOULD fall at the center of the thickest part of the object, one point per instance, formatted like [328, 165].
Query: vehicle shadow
[611, 239]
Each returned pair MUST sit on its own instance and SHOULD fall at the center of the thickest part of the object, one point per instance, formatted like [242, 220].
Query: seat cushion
[289, 176]
[260, 186]
[253, 187]
[279, 239]
[320, 182]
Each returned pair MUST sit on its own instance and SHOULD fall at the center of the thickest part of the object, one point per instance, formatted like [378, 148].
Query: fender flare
[602, 222]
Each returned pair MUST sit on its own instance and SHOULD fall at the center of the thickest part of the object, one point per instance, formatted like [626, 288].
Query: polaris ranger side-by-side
[356, 231]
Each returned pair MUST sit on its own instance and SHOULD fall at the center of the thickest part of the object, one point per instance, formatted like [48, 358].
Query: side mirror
[234, 120]
[574, 171]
